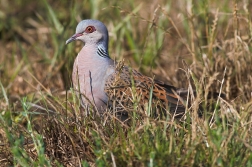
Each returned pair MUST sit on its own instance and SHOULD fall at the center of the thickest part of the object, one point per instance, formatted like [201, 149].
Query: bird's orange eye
[90, 29]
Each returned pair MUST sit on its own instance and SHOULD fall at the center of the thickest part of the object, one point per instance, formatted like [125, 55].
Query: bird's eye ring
[90, 29]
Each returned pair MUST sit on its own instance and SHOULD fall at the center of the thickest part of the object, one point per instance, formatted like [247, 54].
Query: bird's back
[127, 87]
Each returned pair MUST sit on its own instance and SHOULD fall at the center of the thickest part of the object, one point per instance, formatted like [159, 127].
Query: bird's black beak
[73, 38]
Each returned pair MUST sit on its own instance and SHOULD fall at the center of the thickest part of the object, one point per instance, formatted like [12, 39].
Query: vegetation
[202, 45]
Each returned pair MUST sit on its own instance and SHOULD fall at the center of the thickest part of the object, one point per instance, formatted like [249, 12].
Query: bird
[102, 82]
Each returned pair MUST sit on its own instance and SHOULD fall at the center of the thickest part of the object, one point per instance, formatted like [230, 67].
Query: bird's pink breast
[89, 74]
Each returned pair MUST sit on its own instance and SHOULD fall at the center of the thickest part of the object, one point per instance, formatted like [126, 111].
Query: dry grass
[203, 45]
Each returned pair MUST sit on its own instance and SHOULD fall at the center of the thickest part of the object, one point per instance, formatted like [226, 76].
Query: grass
[203, 45]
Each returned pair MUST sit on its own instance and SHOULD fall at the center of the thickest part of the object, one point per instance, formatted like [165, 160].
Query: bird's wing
[127, 86]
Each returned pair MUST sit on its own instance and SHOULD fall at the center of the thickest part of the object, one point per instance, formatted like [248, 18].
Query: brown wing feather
[119, 88]
[174, 100]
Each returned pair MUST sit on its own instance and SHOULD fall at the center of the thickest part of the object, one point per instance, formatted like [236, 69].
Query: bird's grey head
[91, 32]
